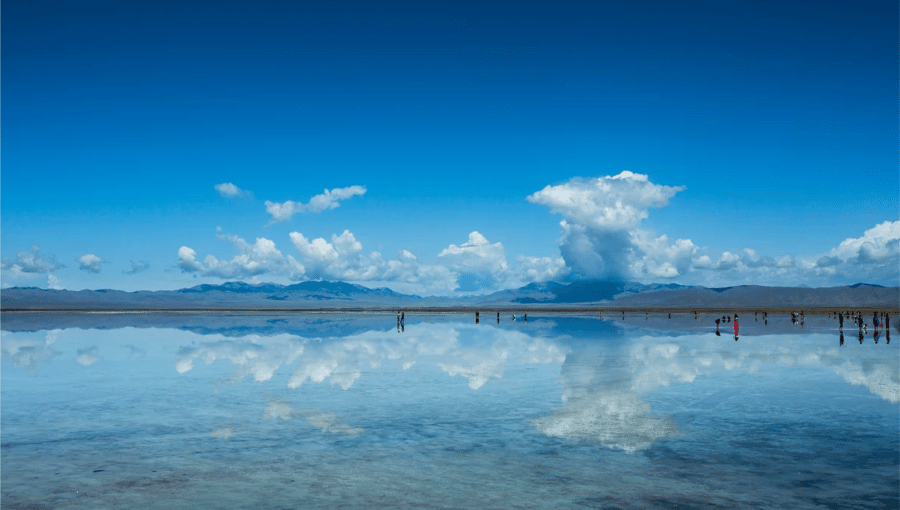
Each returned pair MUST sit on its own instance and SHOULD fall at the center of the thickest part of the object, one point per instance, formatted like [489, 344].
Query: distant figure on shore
[735, 327]
[514, 316]
[717, 327]
[498, 317]
[887, 320]
[526, 317]
[841, 320]
[477, 319]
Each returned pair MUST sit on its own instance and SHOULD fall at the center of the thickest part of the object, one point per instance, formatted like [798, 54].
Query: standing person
[841, 319]
[875, 320]
[735, 326]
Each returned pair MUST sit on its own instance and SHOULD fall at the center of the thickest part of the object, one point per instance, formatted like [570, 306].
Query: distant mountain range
[341, 295]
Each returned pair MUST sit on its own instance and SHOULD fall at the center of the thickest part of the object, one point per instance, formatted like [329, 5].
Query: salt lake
[335, 410]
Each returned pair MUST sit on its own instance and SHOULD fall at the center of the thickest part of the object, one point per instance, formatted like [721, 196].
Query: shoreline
[460, 310]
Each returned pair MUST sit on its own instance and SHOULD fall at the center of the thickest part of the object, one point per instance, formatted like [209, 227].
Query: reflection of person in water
[860, 337]
[477, 318]
[876, 334]
[717, 327]
[842, 338]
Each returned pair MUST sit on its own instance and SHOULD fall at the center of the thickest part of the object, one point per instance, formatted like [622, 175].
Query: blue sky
[473, 146]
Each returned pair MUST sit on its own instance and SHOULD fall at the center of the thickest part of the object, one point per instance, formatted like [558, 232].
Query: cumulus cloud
[31, 262]
[90, 263]
[261, 257]
[541, 269]
[602, 238]
[54, 283]
[480, 263]
[327, 200]
[600, 234]
[873, 257]
[137, 267]
[614, 203]
[343, 259]
[229, 190]
[878, 244]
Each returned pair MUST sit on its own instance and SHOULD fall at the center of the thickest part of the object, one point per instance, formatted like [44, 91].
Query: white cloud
[90, 263]
[31, 262]
[879, 244]
[600, 234]
[261, 257]
[728, 260]
[327, 200]
[541, 269]
[601, 238]
[343, 259]
[477, 254]
[229, 190]
[614, 203]
[480, 264]
[54, 283]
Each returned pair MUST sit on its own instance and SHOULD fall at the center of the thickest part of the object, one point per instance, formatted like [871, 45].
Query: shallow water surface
[343, 411]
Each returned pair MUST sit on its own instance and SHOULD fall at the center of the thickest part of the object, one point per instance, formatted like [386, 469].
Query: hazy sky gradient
[157, 145]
